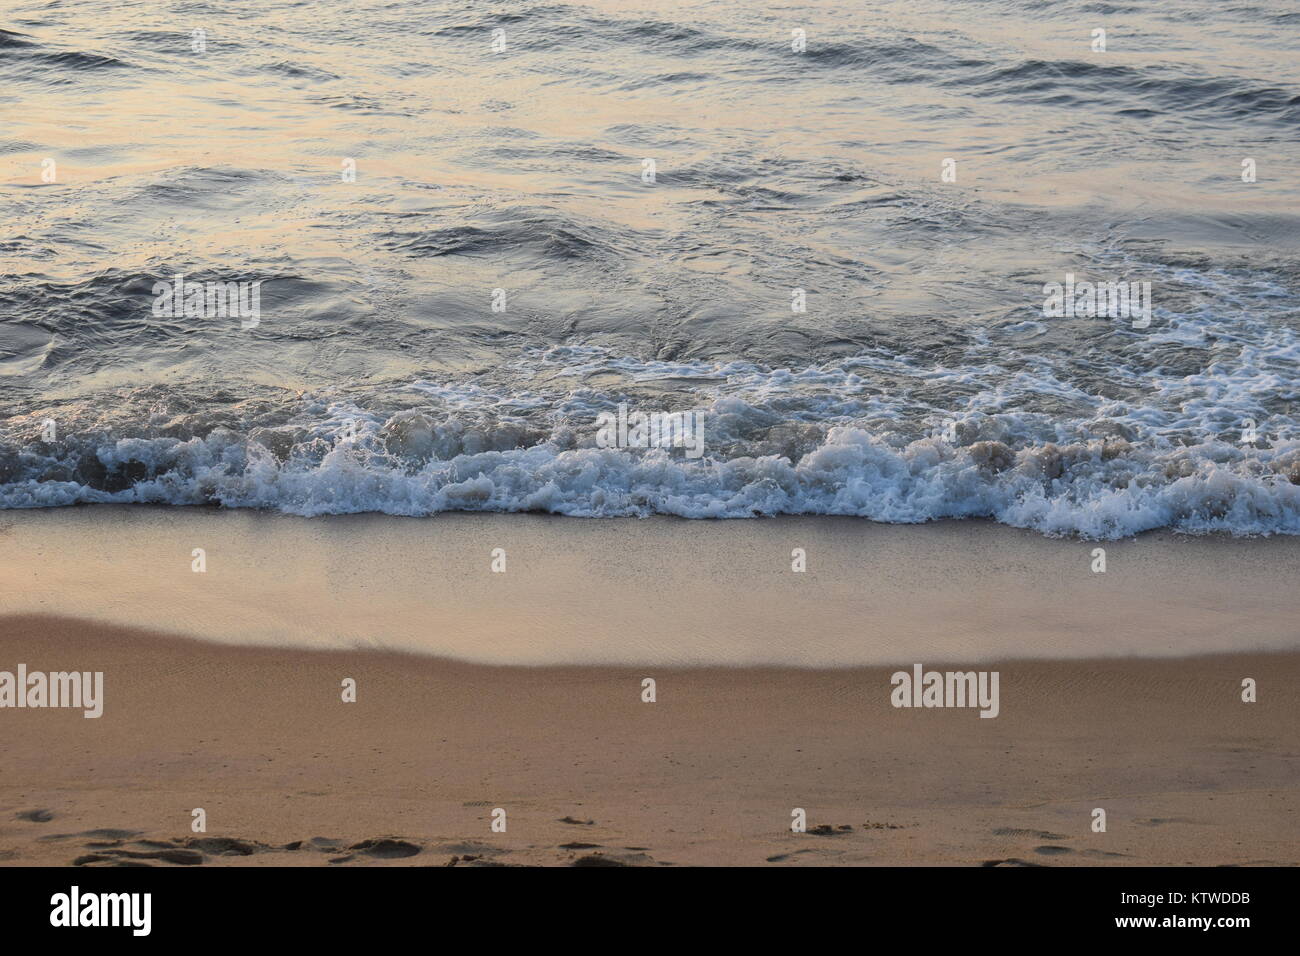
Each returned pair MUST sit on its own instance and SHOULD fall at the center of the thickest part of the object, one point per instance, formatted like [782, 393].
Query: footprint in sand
[124, 857]
[783, 857]
[107, 833]
[112, 847]
[825, 829]
[595, 859]
[386, 848]
[225, 846]
[1013, 861]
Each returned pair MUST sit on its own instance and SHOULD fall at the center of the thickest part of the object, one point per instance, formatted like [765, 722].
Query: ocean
[1028, 261]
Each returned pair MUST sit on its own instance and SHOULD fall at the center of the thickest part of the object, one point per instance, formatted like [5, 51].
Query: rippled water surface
[922, 381]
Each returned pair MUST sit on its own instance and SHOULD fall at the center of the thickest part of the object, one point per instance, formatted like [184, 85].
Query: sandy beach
[251, 727]
[684, 434]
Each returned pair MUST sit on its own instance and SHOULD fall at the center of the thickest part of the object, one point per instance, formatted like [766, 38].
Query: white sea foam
[1096, 488]
[1023, 439]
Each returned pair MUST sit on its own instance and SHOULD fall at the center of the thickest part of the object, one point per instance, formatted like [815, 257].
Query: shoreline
[650, 591]
[1216, 534]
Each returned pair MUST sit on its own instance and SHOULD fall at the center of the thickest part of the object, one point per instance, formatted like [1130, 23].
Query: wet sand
[1120, 691]
[659, 590]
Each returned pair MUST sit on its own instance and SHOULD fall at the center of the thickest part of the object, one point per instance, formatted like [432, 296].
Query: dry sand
[289, 774]
[708, 774]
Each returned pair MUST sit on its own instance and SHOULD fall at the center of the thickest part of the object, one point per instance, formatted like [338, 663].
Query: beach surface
[523, 691]
[657, 590]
